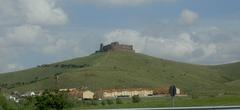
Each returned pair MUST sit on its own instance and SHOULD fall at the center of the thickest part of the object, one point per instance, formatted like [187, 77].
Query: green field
[166, 102]
[126, 70]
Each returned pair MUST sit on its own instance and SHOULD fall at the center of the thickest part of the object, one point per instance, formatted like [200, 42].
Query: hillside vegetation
[125, 70]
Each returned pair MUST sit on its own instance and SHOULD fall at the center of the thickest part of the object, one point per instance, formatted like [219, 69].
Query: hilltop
[124, 70]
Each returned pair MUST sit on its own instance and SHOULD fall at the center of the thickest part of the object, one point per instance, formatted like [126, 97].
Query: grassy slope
[115, 70]
[231, 72]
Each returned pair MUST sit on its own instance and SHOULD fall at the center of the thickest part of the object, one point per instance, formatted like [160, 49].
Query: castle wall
[125, 48]
[115, 46]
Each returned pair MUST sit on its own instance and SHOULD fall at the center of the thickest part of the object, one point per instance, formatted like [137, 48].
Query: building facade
[115, 46]
[114, 93]
[87, 95]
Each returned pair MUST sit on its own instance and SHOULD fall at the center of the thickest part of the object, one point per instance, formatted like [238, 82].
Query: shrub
[118, 101]
[5, 104]
[94, 102]
[136, 99]
[50, 101]
[109, 102]
[103, 102]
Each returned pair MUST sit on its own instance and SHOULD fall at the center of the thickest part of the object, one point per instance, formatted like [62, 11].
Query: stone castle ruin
[115, 46]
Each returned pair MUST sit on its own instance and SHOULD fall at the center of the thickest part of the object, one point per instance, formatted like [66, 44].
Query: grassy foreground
[166, 102]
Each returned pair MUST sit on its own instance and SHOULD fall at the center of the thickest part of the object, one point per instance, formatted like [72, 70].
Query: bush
[109, 102]
[136, 99]
[50, 101]
[5, 104]
[118, 101]
[103, 102]
[94, 102]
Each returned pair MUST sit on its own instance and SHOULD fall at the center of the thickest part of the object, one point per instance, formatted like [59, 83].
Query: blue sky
[34, 32]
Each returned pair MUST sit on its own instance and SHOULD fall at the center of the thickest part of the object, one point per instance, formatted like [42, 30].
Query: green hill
[232, 71]
[124, 70]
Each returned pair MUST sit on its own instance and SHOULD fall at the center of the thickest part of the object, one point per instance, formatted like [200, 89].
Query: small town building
[63, 90]
[28, 94]
[14, 98]
[87, 95]
[161, 91]
[164, 91]
[178, 92]
[78, 93]
[114, 93]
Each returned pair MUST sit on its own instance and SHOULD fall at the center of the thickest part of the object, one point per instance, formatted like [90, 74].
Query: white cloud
[25, 34]
[180, 47]
[14, 67]
[55, 47]
[22, 32]
[38, 12]
[188, 17]
[126, 36]
[43, 12]
[21, 41]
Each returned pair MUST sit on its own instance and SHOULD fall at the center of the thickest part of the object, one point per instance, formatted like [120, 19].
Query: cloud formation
[188, 17]
[22, 31]
[38, 12]
[43, 12]
[181, 47]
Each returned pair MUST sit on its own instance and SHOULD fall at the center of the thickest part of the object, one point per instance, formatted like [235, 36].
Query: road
[186, 108]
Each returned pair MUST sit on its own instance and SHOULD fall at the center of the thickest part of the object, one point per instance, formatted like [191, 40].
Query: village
[80, 94]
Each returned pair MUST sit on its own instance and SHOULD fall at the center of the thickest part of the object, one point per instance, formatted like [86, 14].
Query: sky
[34, 32]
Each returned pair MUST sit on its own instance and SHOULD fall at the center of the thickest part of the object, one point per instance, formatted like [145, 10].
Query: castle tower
[101, 47]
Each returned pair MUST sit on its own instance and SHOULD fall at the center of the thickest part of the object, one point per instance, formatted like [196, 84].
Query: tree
[136, 99]
[50, 101]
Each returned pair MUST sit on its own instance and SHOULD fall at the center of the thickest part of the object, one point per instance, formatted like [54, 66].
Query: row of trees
[135, 99]
[59, 101]
[65, 65]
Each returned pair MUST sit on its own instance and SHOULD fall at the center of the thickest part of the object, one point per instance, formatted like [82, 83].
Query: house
[28, 94]
[63, 90]
[14, 98]
[114, 93]
[87, 95]
[72, 92]
[178, 92]
[164, 91]
[161, 91]
[78, 93]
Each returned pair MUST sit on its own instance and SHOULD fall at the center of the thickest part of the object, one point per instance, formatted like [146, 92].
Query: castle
[115, 46]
